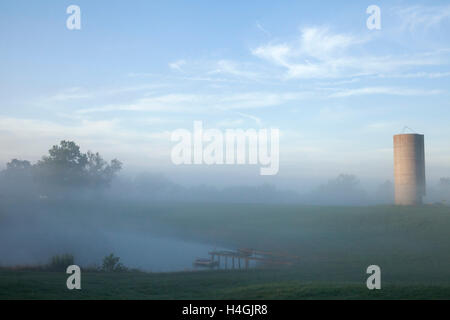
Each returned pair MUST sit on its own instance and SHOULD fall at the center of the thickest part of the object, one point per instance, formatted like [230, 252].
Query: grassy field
[334, 245]
[410, 244]
[255, 284]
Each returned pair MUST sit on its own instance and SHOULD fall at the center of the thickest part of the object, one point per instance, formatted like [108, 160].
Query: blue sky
[137, 70]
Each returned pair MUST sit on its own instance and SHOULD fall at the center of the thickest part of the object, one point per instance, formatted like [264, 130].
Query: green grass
[410, 244]
[256, 284]
[334, 244]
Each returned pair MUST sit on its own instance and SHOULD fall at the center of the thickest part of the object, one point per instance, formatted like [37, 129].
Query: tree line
[64, 167]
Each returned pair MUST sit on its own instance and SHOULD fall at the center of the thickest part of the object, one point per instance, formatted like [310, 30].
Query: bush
[61, 262]
[112, 264]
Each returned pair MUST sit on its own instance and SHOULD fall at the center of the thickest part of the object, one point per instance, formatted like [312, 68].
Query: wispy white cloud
[314, 55]
[106, 135]
[209, 104]
[156, 120]
[415, 75]
[41, 127]
[251, 117]
[261, 28]
[70, 94]
[321, 43]
[206, 103]
[276, 53]
[228, 67]
[422, 17]
[318, 52]
[382, 126]
[321, 53]
[316, 43]
[77, 93]
[334, 83]
[177, 65]
[230, 123]
[384, 91]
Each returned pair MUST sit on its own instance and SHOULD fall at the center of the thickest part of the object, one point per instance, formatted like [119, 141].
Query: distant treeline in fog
[67, 172]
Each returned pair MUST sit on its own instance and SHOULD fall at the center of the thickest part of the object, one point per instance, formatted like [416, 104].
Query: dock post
[233, 261]
[239, 262]
[246, 263]
[226, 262]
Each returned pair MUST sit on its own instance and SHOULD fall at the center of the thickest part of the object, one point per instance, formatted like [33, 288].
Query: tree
[67, 166]
[18, 165]
[64, 166]
[17, 178]
[111, 264]
[99, 171]
[345, 182]
[17, 170]
[344, 190]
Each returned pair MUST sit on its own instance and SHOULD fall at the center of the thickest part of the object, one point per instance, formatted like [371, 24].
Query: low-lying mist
[76, 203]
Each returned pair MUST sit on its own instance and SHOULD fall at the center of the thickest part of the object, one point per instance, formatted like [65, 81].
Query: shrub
[112, 264]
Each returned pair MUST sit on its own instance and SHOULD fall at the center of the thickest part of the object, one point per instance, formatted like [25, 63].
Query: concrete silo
[409, 169]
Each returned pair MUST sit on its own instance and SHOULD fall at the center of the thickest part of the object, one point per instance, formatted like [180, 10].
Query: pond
[35, 243]
[157, 253]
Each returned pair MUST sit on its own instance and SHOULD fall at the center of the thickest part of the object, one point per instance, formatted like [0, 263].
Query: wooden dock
[242, 258]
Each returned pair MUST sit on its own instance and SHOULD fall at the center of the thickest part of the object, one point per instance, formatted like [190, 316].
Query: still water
[35, 244]
[156, 253]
